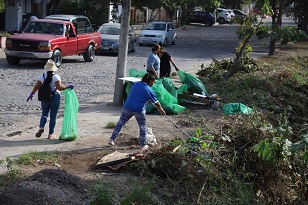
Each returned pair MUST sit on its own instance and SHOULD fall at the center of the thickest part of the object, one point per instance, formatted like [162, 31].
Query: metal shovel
[177, 126]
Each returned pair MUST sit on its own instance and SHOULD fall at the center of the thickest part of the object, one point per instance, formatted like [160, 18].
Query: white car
[223, 16]
[158, 32]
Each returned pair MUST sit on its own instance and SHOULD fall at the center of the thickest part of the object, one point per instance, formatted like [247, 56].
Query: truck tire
[88, 56]
[57, 57]
[12, 60]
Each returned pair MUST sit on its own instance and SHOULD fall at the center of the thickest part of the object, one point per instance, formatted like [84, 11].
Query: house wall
[16, 12]
[13, 15]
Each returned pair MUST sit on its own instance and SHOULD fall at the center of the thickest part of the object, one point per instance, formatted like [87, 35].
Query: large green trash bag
[168, 102]
[236, 108]
[133, 72]
[182, 89]
[194, 83]
[169, 86]
[128, 87]
[69, 125]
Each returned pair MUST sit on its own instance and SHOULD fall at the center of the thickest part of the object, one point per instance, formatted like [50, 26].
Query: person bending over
[135, 105]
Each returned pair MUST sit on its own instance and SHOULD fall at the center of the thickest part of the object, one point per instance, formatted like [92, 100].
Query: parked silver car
[110, 34]
[158, 32]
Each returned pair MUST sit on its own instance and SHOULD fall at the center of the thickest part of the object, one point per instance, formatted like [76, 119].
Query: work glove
[71, 86]
[30, 96]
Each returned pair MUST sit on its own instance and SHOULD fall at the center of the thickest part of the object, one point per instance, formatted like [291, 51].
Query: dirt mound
[49, 186]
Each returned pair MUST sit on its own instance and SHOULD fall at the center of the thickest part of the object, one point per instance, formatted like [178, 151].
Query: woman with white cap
[49, 107]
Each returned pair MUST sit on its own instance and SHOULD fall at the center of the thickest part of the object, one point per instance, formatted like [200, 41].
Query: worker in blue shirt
[135, 105]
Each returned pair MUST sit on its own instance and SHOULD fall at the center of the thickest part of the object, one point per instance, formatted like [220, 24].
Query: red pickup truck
[48, 38]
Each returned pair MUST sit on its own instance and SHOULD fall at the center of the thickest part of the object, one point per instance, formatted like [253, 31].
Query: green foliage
[139, 193]
[103, 193]
[147, 3]
[216, 69]
[257, 148]
[212, 5]
[10, 172]
[2, 5]
[34, 157]
[273, 151]
[263, 32]
[283, 34]
[249, 26]
[95, 10]
[111, 125]
[4, 34]
[292, 34]
[246, 51]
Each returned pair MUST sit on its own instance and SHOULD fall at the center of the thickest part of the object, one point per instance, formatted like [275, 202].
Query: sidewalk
[92, 133]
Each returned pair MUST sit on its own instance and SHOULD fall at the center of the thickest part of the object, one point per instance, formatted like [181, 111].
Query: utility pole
[122, 55]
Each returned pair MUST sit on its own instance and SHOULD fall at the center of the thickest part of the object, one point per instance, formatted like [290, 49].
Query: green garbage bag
[236, 108]
[167, 101]
[133, 72]
[69, 125]
[169, 86]
[194, 84]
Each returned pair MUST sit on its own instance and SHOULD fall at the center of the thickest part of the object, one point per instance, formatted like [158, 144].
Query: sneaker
[51, 136]
[111, 142]
[39, 133]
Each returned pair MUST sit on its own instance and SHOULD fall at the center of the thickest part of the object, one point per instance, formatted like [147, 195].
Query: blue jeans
[125, 116]
[50, 108]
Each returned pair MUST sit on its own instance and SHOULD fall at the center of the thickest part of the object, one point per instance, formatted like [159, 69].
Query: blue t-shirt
[138, 97]
[153, 60]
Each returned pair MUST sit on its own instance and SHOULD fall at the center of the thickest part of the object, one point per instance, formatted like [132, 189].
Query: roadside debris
[114, 158]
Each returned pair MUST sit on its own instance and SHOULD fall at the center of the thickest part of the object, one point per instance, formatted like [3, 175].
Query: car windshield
[109, 30]
[156, 26]
[44, 27]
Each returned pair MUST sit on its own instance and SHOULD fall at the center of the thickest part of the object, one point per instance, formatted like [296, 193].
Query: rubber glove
[71, 86]
[30, 96]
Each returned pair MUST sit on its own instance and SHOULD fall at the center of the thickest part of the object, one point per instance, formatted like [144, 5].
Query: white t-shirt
[55, 78]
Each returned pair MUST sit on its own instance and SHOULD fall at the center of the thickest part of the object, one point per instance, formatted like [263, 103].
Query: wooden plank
[118, 166]
[131, 79]
[114, 158]
[194, 98]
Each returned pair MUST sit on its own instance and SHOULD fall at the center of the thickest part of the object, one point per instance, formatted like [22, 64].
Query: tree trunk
[183, 16]
[305, 20]
[279, 18]
[236, 66]
[122, 55]
[274, 23]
